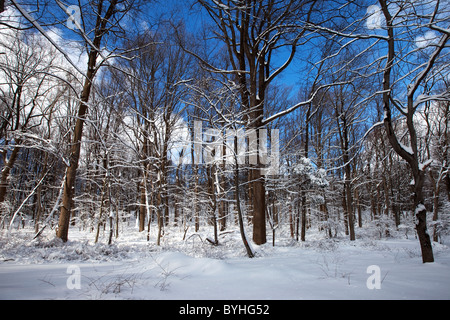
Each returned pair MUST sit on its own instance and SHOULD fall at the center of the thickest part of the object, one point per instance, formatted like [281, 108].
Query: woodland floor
[132, 268]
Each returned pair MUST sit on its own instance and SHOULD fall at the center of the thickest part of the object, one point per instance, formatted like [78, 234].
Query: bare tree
[418, 78]
[412, 41]
[27, 99]
[107, 16]
[252, 32]
[154, 87]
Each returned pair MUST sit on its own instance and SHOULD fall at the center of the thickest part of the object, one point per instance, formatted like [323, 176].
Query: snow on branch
[33, 21]
[303, 103]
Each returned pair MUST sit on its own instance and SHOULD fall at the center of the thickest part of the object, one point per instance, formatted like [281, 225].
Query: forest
[277, 119]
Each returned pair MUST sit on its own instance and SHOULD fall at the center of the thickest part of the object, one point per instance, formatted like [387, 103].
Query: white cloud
[375, 18]
[74, 50]
[427, 39]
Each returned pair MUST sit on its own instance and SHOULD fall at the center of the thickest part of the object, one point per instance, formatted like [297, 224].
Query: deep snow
[133, 268]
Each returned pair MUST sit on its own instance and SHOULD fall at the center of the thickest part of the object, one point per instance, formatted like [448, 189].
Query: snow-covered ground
[133, 268]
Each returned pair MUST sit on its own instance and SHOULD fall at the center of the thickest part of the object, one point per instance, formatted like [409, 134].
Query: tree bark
[69, 183]
[421, 219]
[259, 208]
[71, 171]
[410, 157]
[248, 29]
[6, 171]
[238, 203]
[143, 204]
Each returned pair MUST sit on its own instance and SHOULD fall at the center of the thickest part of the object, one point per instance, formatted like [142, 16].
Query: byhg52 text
[227, 309]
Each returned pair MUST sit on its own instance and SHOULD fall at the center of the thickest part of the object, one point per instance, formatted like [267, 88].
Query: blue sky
[294, 76]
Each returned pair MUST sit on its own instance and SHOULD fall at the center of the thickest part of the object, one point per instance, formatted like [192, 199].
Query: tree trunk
[102, 201]
[447, 185]
[291, 221]
[435, 214]
[196, 209]
[358, 205]
[303, 231]
[212, 186]
[238, 203]
[351, 222]
[71, 171]
[421, 219]
[6, 171]
[159, 218]
[410, 157]
[344, 206]
[259, 207]
[69, 183]
[142, 206]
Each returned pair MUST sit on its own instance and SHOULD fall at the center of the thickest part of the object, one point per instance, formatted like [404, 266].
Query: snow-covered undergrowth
[134, 268]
